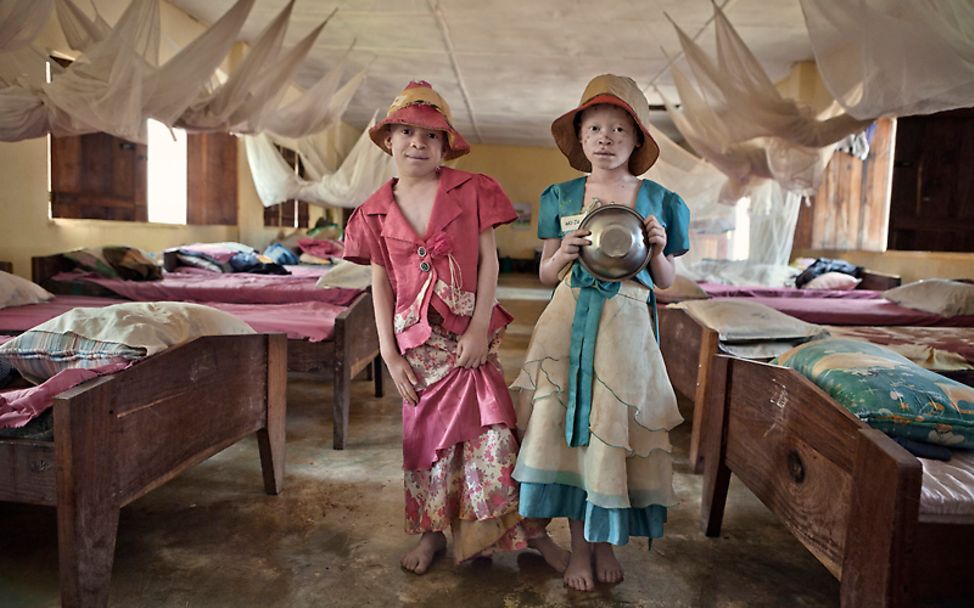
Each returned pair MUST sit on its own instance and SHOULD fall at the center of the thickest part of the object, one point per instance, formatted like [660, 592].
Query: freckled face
[608, 136]
[417, 151]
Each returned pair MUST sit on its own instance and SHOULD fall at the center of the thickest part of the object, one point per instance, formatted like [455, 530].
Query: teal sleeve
[677, 226]
[549, 223]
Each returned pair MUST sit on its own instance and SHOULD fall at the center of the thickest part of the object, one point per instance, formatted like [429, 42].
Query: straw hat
[420, 106]
[620, 91]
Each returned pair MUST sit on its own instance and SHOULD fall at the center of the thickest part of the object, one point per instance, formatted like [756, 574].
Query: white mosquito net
[882, 57]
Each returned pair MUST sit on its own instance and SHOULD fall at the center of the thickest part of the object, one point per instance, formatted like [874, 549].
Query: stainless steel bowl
[619, 249]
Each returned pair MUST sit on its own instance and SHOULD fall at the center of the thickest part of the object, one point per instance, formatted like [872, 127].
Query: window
[166, 174]
[177, 178]
[99, 176]
[292, 213]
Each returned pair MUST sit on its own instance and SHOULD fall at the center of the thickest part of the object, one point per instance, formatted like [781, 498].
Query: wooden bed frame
[688, 348]
[118, 437]
[353, 348]
[848, 492]
[7, 267]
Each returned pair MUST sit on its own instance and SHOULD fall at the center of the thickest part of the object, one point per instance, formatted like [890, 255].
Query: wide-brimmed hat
[420, 106]
[618, 91]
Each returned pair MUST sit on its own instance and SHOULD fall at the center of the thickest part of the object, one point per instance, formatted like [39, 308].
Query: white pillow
[743, 320]
[938, 296]
[347, 275]
[683, 288]
[833, 280]
[15, 291]
[153, 326]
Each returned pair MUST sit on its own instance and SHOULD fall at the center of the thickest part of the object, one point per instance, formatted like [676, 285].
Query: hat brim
[425, 117]
[566, 138]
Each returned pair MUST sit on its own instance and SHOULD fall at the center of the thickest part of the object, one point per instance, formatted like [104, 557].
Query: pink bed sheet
[879, 312]
[312, 321]
[237, 288]
[19, 406]
[719, 290]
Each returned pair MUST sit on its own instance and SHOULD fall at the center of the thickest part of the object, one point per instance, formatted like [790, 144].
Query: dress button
[421, 252]
[425, 266]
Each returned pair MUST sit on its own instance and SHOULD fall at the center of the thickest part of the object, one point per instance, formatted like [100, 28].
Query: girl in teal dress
[593, 399]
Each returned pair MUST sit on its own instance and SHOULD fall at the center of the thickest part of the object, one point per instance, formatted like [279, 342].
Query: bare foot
[419, 558]
[607, 567]
[578, 574]
[556, 557]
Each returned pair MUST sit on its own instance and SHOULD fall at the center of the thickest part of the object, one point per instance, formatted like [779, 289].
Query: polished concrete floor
[334, 537]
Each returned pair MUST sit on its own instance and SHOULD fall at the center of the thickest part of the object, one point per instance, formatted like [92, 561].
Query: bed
[689, 347]
[352, 348]
[870, 287]
[851, 495]
[118, 437]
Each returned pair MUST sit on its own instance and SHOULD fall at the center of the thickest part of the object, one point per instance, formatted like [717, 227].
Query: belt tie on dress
[585, 328]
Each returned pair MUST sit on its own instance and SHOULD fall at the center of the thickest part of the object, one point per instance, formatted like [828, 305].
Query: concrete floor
[333, 538]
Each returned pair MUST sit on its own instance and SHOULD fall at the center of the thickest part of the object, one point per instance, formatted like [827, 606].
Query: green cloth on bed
[888, 391]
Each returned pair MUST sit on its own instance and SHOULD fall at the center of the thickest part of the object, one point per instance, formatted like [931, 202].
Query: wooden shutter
[850, 210]
[211, 178]
[932, 203]
[98, 176]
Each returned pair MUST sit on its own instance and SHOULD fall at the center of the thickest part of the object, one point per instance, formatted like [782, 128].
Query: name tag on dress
[570, 223]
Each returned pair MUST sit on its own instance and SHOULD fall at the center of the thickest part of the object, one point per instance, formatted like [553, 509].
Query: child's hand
[655, 235]
[472, 348]
[571, 243]
[403, 377]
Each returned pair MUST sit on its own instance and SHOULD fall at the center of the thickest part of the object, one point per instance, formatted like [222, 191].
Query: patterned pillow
[17, 291]
[92, 337]
[93, 260]
[888, 391]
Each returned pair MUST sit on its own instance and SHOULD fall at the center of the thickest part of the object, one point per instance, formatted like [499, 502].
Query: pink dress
[459, 447]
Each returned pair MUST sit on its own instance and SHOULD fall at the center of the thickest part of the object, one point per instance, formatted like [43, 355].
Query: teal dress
[593, 399]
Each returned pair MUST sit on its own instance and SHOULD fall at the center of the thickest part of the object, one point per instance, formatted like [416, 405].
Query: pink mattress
[313, 321]
[238, 288]
[860, 312]
[719, 290]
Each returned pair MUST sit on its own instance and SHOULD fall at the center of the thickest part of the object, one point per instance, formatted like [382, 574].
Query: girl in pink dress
[429, 237]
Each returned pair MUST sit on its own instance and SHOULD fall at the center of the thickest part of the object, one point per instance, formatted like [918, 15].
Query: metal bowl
[619, 249]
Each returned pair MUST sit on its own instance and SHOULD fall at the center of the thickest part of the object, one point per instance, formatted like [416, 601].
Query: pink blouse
[440, 268]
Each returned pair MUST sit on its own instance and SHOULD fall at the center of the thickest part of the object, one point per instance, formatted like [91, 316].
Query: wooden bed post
[881, 535]
[716, 475]
[88, 504]
[377, 375]
[708, 346]
[271, 438]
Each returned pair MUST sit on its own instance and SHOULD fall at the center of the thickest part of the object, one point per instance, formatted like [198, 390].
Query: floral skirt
[459, 451]
[620, 484]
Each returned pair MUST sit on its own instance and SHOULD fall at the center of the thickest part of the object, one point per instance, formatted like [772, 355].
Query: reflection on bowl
[619, 249]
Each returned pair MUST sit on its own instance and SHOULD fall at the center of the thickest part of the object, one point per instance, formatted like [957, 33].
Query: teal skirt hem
[602, 525]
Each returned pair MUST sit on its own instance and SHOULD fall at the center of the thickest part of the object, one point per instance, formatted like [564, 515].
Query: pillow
[833, 280]
[888, 391]
[93, 260]
[347, 275]
[92, 337]
[938, 296]
[683, 288]
[16, 291]
[743, 320]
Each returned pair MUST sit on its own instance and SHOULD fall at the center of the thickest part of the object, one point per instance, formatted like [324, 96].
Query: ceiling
[509, 67]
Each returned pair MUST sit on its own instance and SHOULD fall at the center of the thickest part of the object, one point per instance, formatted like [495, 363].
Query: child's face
[417, 151]
[608, 136]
